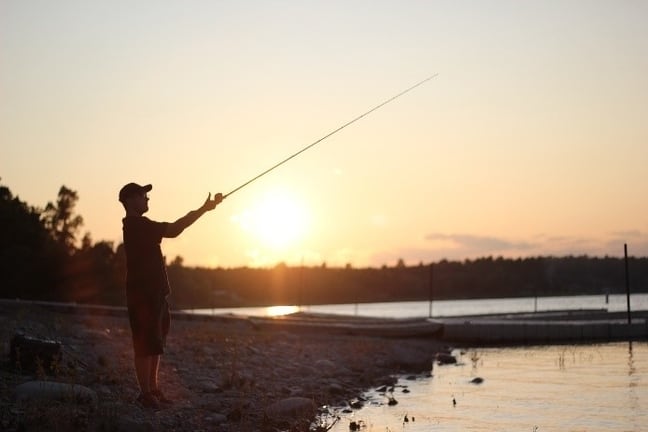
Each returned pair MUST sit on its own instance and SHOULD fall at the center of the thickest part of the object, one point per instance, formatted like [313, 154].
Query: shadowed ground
[223, 373]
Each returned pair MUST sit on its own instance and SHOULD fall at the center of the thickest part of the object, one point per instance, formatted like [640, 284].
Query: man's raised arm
[174, 229]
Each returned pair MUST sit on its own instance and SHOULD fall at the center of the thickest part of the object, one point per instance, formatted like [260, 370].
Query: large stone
[291, 408]
[28, 354]
[50, 391]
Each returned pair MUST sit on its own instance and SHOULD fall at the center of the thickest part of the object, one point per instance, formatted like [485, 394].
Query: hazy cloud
[481, 243]
[636, 240]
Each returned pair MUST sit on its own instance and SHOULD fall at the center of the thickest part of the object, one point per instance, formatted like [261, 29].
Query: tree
[28, 259]
[178, 261]
[60, 220]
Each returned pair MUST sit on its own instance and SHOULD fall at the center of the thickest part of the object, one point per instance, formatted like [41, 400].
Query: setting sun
[277, 220]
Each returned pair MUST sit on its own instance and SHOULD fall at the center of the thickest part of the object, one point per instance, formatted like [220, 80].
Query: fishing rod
[331, 133]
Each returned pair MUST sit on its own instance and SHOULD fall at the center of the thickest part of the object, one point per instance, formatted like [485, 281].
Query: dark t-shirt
[146, 272]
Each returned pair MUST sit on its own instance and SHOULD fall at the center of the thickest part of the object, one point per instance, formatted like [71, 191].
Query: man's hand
[210, 204]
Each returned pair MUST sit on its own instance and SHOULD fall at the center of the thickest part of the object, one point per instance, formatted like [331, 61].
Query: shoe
[157, 393]
[148, 400]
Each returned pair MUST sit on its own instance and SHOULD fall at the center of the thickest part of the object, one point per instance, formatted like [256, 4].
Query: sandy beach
[223, 374]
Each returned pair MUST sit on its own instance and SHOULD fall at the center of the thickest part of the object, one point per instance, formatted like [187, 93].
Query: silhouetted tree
[60, 220]
[28, 259]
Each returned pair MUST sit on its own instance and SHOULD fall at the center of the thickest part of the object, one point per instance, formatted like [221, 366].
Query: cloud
[636, 240]
[485, 244]
[628, 233]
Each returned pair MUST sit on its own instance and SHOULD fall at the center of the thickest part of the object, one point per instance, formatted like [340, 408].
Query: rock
[324, 364]
[28, 354]
[210, 384]
[210, 387]
[216, 419]
[254, 350]
[90, 334]
[235, 414]
[445, 358]
[327, 368]
[295, 390]
[335, 388]
[291, 408]
[209, 351]
[356, 426]
[410, 360]
[48, 390]
[477, 380]
[287, 337]
[125, 424]
[104, 391]
[356, 404]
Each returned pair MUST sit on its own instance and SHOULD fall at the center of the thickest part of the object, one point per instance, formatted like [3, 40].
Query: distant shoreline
[520, 328]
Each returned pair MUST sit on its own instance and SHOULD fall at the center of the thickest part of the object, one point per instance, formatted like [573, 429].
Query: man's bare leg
[143, 372]
[153, 373]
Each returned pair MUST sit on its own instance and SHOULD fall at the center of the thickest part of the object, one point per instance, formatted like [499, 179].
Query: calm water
[449, 308]
[550, 388]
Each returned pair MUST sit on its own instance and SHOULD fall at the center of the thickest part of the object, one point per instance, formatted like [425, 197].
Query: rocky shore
[223, 374]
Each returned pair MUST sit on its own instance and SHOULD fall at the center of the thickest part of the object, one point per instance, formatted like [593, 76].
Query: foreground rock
[47, 391]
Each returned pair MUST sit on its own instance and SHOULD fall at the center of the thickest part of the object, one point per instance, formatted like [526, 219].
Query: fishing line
[331, 133]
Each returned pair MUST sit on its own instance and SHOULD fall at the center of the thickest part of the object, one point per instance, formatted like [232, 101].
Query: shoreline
[223, 374]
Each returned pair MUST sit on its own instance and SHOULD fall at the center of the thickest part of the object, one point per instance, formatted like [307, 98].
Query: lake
[450, 308]
[528, 389]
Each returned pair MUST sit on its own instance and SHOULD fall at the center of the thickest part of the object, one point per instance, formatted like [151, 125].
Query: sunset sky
[532, 139]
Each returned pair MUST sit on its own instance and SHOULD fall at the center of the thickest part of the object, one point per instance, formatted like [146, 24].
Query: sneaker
[157, 393]
[148, 400]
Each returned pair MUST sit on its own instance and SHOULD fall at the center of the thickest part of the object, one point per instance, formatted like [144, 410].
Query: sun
[277, 220]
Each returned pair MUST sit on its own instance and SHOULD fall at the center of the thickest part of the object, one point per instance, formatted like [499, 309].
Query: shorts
[149, 321]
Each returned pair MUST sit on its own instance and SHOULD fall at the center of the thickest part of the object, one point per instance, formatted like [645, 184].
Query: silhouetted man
[147, 285]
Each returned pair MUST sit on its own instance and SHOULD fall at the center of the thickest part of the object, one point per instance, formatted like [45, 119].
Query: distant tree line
[43, 256]
[481, 278]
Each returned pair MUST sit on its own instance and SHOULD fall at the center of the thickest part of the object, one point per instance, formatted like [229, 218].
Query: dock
[546, 327]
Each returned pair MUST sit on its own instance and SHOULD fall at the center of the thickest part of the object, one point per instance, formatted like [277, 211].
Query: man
[147, 285]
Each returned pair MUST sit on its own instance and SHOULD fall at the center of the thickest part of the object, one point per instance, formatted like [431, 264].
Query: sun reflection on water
[280, 310]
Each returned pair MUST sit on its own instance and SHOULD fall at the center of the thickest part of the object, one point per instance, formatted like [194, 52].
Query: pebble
[216, 419]
[444, 359]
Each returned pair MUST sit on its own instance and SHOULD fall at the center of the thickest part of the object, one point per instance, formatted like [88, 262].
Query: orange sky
[532, 139]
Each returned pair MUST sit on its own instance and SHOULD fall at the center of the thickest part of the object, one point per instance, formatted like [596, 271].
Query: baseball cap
[132, 189]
